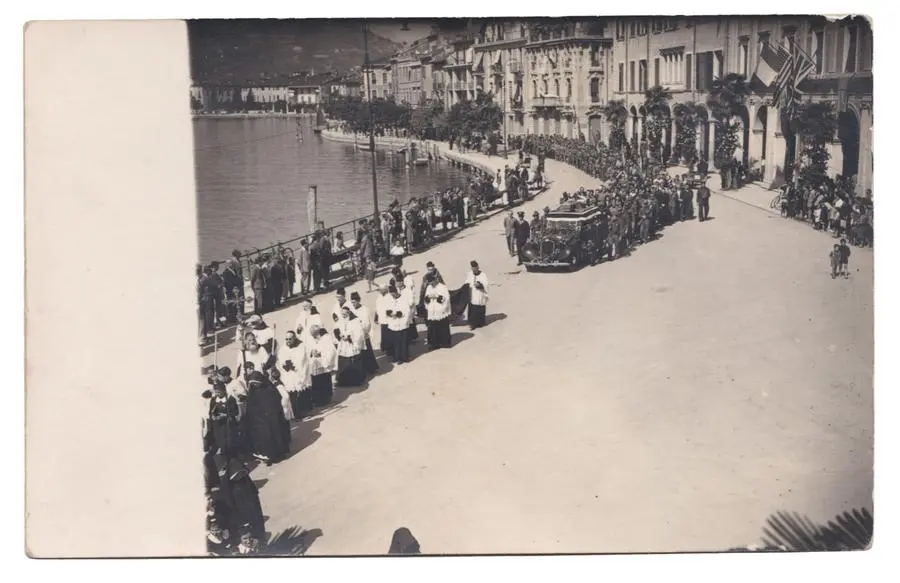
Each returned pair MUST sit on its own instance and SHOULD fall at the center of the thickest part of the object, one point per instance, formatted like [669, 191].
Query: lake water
[253, 175]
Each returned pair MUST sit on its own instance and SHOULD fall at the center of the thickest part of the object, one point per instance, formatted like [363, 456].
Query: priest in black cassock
[268, 432]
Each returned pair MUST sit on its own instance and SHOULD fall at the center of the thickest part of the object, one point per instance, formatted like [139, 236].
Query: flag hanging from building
[787, 85]
[772, 62]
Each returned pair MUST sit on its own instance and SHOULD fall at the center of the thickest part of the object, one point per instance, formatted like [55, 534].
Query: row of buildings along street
[557, 77]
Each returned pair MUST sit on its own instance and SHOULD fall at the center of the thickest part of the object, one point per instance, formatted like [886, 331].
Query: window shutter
[688, 79]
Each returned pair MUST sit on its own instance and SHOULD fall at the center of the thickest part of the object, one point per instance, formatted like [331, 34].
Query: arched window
[556, 86]
[534, 92]
[545, 87]
[568, 90]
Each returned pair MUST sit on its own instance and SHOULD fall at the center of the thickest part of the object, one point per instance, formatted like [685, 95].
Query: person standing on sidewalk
[509, 230]
[304, 265]
[523, 232]
[844, 250]
[703, 195]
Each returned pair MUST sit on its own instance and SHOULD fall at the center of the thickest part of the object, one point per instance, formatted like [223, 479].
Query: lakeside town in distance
[555, 285]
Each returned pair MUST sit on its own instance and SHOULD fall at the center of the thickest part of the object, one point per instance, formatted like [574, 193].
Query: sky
[390, 29]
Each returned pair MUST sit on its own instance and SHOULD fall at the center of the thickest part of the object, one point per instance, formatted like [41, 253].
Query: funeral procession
[560, 285]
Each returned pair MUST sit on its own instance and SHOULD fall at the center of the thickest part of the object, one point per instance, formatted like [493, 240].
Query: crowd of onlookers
[280, 274]
[832, 207]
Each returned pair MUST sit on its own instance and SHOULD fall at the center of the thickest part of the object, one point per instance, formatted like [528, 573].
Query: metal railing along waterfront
[349, 229]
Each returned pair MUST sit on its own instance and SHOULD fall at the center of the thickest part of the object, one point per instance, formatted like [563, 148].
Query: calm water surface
[253, 175]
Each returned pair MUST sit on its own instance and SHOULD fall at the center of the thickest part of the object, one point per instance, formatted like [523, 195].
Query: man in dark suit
[234, 292]
[703, 194]
[523, 232]
[258, 283]
[509, 229]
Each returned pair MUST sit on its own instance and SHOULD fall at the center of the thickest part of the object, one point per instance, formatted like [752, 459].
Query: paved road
[668, 401]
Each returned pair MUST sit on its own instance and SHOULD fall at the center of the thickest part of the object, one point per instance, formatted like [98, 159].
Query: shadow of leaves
[291, 542]
[849, 531]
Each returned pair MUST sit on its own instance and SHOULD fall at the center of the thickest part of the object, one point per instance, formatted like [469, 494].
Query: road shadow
[707, 219]
[305, 432]
[260, 483]
[793, 532]
[420, 348]
[491, 318]
[290, 542]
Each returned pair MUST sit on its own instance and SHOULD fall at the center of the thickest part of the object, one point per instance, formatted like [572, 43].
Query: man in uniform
[523, 232]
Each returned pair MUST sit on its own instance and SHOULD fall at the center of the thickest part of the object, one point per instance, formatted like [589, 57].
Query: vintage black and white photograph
[534, 285]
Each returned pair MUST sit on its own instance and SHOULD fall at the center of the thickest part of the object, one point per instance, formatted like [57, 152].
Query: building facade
[687, 55]
[377, 81]
[497, 69]
[565, 81]
[459, 79]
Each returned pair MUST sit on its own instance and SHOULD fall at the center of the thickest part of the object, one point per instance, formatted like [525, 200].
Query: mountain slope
[242, 50]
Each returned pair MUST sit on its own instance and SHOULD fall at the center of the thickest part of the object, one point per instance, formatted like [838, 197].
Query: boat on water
[421, 162]
[364, 147]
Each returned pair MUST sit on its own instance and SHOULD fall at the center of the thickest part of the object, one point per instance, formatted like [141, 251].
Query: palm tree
[656, 104]
[727, 97]
[726, 102]
[616, 115]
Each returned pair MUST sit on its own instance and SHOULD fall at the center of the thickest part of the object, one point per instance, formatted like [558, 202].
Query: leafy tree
[815, 123]
[687, 118]
[250, 101]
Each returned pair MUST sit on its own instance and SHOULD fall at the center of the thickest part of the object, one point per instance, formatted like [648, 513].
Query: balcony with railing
[547, 101]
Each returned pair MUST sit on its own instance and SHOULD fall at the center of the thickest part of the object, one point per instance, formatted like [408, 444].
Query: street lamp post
[368, 73]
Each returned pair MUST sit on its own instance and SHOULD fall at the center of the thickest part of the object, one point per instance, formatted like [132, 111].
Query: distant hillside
[241, 50]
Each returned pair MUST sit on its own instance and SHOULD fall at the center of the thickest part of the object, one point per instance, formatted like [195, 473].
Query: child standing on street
[835, 257]
[845, 257]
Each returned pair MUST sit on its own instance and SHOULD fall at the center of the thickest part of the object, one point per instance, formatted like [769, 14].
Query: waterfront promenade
[672, 400]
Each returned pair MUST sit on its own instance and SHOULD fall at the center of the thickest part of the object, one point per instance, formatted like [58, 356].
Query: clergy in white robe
[398, 323]
[478, 298]
[294, 366]
[313, 321]
[370, 363]
[303, 320]
[340, 302]
[407, 295]
[351, 342]
[252, 353]
[322, 358]
[383, 303]
[437, 310]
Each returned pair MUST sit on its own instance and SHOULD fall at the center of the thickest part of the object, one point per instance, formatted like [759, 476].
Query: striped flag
[771, 64]
[797, 69]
